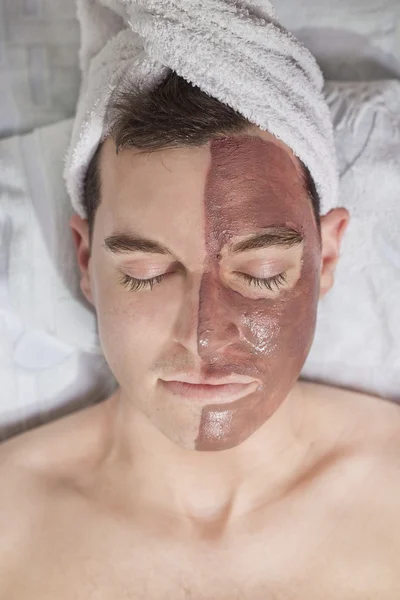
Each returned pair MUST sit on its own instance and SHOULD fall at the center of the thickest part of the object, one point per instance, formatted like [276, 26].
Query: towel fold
[234, 50]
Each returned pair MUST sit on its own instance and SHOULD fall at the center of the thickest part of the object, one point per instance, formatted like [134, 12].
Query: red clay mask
[244, 328]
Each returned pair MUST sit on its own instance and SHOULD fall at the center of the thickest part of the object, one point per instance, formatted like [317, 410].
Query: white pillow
[357, 341]
[351, 39]
[50, 357]
[48, 339]
[39, 65]
[39, 49]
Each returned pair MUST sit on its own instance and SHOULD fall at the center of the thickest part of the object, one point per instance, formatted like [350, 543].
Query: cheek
[137, 323]
[281, 331]
[275, 329]
[132, 327]
[124, 312]
[297, 320]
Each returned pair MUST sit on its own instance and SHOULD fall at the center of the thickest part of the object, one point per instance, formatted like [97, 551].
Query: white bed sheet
[39, 45]
[48, 366]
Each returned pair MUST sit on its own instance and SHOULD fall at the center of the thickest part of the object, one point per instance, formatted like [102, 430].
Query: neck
[210, 486]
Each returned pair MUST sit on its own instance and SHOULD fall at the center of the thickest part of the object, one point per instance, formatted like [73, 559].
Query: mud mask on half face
[246, 329]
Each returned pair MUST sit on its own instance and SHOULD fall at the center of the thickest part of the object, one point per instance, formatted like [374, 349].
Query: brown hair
[173, 114]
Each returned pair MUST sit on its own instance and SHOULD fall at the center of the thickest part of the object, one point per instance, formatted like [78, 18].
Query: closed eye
[134, 284]
[278, 281]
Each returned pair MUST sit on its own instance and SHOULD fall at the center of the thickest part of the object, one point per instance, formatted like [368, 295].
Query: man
[212, 471]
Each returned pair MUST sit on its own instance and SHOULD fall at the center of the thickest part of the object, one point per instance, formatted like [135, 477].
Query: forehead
[230, 186]
[255, 183]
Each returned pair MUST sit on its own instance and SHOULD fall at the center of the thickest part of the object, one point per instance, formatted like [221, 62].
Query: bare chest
[297, 557]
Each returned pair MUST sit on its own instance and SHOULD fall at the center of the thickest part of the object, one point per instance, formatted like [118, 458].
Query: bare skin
[72, 527]
[289, 491]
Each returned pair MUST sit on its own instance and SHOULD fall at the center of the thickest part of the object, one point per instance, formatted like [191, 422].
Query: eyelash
[277, 280]
[136, 284]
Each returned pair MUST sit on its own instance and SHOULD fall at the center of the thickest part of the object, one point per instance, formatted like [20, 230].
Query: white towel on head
[234, 50]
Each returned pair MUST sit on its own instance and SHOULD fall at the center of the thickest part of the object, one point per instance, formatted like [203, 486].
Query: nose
[207, 321]
[214, 339]
[218, 325]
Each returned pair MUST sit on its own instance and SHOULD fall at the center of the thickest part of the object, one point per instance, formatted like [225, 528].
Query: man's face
[205, 315]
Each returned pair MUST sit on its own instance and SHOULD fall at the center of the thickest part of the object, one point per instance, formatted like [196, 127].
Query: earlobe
[80, 235]
[326, 282]
[333, 227]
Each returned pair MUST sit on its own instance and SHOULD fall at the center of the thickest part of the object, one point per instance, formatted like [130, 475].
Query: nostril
[218, 337]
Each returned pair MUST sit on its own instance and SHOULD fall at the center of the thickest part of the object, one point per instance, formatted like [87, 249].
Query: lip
[225, 392]
[196, 378]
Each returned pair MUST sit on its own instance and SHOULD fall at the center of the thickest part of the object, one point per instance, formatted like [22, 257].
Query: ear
[333, 226]
[80, 234]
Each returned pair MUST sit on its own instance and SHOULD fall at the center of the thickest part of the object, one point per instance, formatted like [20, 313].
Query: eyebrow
[275, 236]
[126, 242]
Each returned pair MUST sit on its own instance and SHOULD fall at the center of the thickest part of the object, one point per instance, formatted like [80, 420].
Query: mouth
[224, 392]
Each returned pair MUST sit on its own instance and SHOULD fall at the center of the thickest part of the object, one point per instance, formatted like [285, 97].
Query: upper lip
[196, 380]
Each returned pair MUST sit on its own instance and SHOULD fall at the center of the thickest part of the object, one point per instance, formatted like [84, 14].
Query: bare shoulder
[362, 479]
[48, 447]
[31, 457]
[370, 424]
[33, 463]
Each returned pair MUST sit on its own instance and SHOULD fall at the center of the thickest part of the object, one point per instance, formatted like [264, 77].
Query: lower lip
[228, 392]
